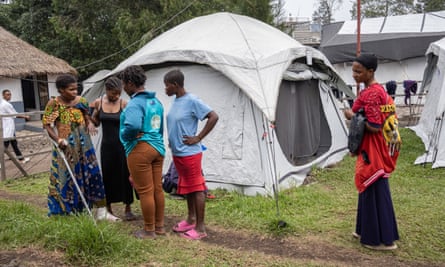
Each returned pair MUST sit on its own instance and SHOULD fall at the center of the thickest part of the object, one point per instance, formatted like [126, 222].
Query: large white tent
[278, 116]
[430, 127]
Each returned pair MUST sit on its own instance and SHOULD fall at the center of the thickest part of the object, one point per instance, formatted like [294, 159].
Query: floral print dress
[69, 122]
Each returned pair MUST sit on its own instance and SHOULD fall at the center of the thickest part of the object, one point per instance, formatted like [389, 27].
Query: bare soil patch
[31, 257]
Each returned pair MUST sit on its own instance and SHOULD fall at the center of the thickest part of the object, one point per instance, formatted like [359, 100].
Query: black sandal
[142, 234]
[129, 216]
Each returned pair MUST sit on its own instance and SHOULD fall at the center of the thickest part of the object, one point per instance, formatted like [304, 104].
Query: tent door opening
[301, 125]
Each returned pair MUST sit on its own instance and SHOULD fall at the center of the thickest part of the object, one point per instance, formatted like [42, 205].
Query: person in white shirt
[9, 125]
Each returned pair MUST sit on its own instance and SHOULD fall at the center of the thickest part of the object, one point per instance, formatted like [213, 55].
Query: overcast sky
[305, 8]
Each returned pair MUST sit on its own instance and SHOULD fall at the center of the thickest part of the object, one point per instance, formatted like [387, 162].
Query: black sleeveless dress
[114, 163]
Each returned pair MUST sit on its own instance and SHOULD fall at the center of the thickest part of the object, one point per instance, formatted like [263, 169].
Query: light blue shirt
[182, 120]
[143, 114]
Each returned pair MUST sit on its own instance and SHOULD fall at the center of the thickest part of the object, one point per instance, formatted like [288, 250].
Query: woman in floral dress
[67, 121]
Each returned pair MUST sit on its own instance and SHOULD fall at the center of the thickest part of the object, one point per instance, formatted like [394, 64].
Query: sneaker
[24, 160]
[103, 214]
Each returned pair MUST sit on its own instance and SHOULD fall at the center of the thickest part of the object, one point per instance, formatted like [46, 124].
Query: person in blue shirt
[141, 133]
[185, 143]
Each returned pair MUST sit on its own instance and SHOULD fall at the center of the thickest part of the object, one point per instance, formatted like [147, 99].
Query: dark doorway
[29, 100]
[35, 92]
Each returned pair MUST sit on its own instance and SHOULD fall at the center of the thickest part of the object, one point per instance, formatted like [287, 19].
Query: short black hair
[174, 76]
[368, 60]
[64, 80]
[134, 74]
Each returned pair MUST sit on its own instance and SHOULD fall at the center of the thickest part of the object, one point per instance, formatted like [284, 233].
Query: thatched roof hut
[20, 59]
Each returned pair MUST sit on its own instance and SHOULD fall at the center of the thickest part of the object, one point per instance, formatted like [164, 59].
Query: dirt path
[309, 249]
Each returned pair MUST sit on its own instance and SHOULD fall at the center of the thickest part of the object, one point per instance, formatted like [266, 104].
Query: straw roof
[19, 59]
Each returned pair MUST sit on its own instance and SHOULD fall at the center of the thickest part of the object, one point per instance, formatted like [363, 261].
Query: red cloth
[373, 99]
[190, 174]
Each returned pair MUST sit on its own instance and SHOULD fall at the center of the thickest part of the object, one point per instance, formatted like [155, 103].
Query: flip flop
[193, 235]
[210, 196]
[183, 226]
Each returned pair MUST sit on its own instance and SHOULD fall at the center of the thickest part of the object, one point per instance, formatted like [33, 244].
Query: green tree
[379, 8]
[324, 14]
[29, 20]
[135, 29]
[86, 32]
[5, 19]
[97, 34]
[431, 5]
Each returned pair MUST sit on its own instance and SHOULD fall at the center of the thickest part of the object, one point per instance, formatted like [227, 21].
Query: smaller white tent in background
[431, 128]
[278, 115]
[87, 84]
[90, 81]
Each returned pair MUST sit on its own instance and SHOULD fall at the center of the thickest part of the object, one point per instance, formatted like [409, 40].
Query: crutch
[62, 155]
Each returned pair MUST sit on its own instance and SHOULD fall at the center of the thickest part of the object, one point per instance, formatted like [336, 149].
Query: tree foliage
[98, 34]
[380, 8]
[324, 14]
[431, 5]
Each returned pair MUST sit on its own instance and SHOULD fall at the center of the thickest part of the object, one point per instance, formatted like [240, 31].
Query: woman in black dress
[107, 110]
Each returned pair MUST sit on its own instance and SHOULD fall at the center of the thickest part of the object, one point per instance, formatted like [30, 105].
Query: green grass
[325, 209]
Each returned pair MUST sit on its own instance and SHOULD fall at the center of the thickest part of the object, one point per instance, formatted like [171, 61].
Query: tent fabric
[278, 117]
[430, 127]
[253, 61]
[392, 38]
[90, 81]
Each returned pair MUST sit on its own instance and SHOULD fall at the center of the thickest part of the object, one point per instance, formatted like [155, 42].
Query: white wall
[15, 86]
[410, 69]
[52, 85]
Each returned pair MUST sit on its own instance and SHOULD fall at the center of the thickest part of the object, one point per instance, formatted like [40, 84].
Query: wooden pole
[2, 150]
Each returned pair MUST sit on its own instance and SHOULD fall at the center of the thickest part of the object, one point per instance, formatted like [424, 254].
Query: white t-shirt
[8, 122]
